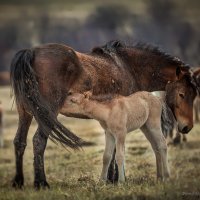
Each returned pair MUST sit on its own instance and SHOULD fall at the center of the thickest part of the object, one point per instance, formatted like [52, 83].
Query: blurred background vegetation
[174, 25]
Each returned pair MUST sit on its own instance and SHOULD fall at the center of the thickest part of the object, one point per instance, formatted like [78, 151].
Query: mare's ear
[181, 71]
[98, 50]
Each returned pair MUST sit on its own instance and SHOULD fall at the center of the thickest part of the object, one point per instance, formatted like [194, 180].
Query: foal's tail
[25, 85]
[167, 120]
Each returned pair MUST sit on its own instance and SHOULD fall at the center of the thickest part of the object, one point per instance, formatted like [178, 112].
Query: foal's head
[179, 97]
[77, 101]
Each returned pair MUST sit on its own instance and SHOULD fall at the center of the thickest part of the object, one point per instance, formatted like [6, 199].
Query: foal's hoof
[18, 182]
[41, 184]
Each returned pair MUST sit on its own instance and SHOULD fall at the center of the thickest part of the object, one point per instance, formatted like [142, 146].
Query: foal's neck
[96, 110]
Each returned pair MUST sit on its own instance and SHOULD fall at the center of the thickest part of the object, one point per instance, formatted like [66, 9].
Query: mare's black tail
[25, 85]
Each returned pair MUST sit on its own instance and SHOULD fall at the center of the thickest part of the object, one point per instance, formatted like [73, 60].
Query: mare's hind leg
[113, 173]
[107, 156]
[39, 145]
[20, 145]
[158, 143]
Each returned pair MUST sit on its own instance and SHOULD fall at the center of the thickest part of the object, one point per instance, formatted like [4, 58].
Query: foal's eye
[181, 95]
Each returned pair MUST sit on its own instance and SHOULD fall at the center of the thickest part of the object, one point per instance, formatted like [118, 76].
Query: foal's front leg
[120, 151]
[107, 156]
[39, 145]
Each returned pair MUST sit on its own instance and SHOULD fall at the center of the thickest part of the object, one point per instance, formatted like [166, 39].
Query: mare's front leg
[158, 143]
[39, 145]
[184, 138]
[177, 139]
[20, 145]
[107, 156]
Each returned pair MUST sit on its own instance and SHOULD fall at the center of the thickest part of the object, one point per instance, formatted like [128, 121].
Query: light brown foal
[120, 116]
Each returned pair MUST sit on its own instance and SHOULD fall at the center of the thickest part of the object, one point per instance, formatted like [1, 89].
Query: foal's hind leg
[158, 143]
[39, 145]
[20, 145]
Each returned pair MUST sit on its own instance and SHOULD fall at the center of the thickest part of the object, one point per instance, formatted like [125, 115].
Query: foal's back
[139, 108]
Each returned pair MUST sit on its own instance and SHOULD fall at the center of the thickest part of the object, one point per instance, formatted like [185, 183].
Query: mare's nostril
[186, 129]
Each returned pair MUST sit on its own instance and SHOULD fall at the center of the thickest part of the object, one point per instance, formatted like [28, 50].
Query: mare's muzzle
[185, 129]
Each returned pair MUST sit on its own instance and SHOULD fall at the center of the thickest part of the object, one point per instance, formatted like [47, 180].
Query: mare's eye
[182, 95]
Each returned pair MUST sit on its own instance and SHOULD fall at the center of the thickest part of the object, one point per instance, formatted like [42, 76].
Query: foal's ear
[181, 71]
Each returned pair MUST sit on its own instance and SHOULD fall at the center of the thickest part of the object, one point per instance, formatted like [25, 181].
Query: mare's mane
[113, 46]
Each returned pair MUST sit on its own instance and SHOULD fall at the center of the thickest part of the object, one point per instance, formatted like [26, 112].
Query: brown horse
[43, 77]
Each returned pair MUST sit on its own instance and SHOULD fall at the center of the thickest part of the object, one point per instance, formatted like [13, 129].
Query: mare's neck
[150, 72]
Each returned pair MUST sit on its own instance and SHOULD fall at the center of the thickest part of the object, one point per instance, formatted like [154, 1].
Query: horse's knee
[19, 145]
[39, 142]
[119, 158]
[160, 147]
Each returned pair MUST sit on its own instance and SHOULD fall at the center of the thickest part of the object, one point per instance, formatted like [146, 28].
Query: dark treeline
[161, 23]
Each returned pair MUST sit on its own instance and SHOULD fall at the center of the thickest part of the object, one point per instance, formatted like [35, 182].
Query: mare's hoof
[184, 139]
[177, 140]
[18, 182]
[41, 184]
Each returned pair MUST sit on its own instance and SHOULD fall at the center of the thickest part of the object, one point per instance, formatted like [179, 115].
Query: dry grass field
[75, 175]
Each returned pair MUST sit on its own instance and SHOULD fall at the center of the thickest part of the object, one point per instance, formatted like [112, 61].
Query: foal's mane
[103, 98]
[114, 46]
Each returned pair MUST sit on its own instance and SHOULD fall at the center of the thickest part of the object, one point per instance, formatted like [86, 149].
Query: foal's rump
[40, 79]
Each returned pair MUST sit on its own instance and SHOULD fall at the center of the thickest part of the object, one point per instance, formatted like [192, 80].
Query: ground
[75, 175]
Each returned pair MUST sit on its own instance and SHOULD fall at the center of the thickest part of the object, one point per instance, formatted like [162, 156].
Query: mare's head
[179, 97]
